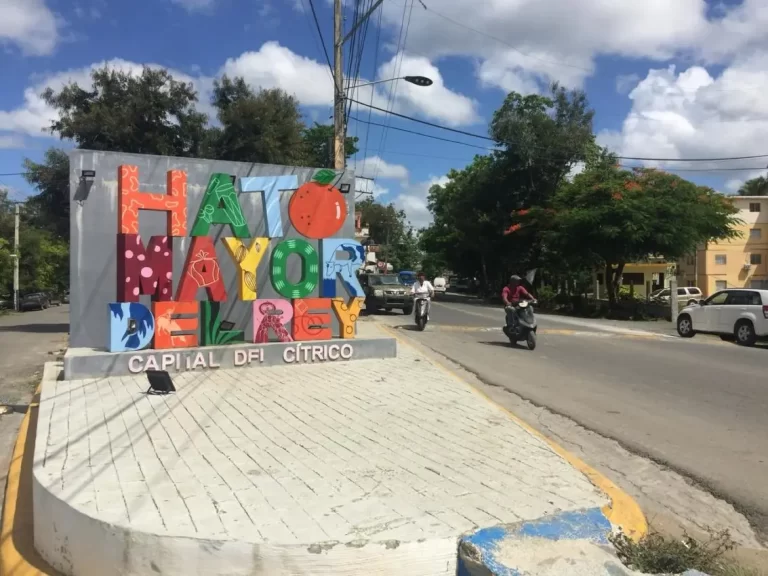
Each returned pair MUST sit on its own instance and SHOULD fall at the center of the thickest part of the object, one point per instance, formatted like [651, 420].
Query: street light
[422, 81]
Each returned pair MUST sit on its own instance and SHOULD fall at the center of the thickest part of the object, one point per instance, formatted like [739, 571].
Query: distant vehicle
[6, 302]
[685, 294]
[35, 301]
[54, 299]
[441, 285]
[735, 314]
[386, 291]
[407, 277]
[65, 298]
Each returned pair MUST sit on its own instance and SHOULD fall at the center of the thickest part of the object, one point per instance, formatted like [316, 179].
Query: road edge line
[623, 511]
[12, 560]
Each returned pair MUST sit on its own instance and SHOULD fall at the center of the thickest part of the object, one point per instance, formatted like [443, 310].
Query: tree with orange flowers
[607, 217]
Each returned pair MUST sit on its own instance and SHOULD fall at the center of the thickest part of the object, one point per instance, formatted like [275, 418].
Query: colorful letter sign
[303, 271]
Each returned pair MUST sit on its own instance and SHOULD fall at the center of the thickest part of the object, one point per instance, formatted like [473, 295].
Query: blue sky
[682, 79]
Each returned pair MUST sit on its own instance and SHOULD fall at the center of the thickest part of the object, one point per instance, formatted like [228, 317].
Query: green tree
[263, 126]
[387, 228]
[541, 140]
[317, 146]
[754, 187]
[607, 217]
[149, 113]
[51, 180]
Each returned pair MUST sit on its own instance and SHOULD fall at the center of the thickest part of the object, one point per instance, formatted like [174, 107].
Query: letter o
[310, 268]
[333, 351]
[346, 351]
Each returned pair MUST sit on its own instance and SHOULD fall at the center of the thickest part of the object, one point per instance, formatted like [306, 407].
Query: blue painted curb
[477, 551]
[477, 555]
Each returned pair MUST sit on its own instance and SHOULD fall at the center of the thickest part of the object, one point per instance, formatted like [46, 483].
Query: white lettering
[135, 369]
[346, 351]
[178, 362]
[317, 353]
[167, 360]
[151, 363]
[307, 350]
[189, 365]
[199, 361]
[211, 362]
[255, 354]
[241, 357]
[289, 355]
[333, 351]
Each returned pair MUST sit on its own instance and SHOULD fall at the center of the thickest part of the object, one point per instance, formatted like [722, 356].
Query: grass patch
[655, 553]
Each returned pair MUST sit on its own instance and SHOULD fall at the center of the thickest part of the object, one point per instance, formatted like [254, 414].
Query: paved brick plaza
[388, 451]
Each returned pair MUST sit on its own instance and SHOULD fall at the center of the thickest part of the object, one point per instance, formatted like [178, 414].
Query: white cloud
[375, 167]
[413, 200]
[690, 114]
[11, 141]
[525, 44]
[30, 25]
[366, 186]
[194, 5]
[625, 82]
[275, 66]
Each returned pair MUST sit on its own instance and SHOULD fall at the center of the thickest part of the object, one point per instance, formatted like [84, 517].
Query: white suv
[738, 314]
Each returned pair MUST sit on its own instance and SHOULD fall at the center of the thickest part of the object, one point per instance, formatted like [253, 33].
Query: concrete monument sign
[175, 253]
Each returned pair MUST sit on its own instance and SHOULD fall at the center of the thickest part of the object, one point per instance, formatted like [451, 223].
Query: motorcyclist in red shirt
[511, 295]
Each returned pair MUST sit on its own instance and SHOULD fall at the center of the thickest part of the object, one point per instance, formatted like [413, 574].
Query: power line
[637, 158]
[422, 134]
[322, 40]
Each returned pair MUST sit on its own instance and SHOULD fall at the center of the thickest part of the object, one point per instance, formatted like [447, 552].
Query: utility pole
[339, 158]
[16, 222]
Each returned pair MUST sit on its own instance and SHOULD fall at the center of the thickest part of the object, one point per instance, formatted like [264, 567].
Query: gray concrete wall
[94, 230]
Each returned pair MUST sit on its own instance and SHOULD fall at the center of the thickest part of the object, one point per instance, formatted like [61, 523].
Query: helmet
[515, 278]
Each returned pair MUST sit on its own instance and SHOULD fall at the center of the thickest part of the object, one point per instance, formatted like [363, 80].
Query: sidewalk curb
[623, 512]
[18, 556]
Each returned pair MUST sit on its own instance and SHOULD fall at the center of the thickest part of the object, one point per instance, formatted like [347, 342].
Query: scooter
[422, 304]
[526, 326]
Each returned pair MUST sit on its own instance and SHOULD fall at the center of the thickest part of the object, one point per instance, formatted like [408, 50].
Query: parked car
[6, 302]
[65, 298]
[735, 314]
[54, 299]
[35, 301]
[386, 291]
[441, 285]
[685, 294]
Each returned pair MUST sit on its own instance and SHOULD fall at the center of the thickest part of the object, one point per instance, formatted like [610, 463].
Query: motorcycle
[422, 303]
[526, 326]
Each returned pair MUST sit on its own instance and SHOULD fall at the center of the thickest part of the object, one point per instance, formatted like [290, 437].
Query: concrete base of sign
[89, 363]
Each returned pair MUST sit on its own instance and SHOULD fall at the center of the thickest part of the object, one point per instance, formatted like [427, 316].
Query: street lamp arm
[416, 80]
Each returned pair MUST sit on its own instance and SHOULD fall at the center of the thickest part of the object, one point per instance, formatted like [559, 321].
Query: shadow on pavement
[504, 344]
[61, 327]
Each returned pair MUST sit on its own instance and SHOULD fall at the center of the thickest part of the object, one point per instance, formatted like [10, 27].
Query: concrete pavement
[698, 406]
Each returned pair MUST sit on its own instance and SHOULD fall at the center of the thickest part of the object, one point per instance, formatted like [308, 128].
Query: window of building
[633, 279]
[759, 284]
[754, 206]
[720, 259]
[756, 259]
[755, 234]
[691, 260]
[721, 284]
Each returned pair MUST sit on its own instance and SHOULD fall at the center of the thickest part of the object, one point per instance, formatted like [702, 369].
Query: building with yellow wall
[741, 262]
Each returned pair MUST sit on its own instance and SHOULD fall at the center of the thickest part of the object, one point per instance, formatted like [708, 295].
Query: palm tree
[755, 187]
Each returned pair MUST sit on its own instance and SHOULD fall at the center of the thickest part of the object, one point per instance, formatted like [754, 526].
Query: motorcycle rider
[422, 287]
[511, 295]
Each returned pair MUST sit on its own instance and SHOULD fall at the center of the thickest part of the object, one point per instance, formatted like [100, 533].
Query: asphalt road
[27, 341]
[699, 406]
